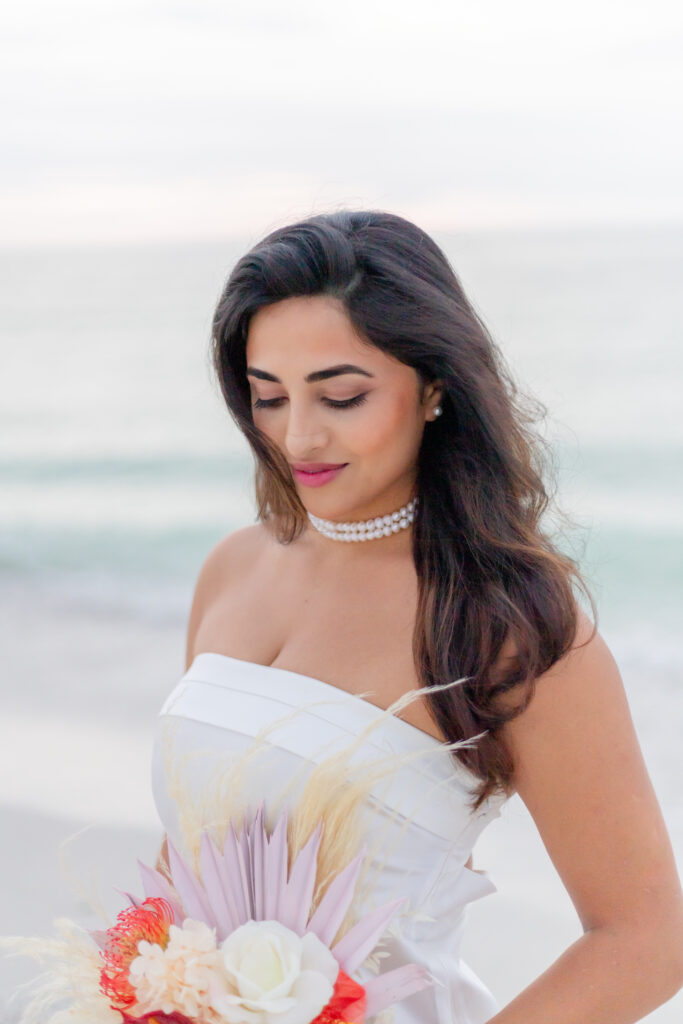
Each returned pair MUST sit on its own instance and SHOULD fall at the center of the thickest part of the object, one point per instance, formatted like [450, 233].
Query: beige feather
[335, 791]
[72, 975]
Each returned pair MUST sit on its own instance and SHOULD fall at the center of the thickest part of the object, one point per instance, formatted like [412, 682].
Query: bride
[399, 546]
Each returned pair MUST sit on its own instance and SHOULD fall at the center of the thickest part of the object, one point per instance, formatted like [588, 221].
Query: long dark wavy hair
[487, 571]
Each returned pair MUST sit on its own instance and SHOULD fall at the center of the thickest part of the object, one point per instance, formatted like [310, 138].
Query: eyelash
[262, 403]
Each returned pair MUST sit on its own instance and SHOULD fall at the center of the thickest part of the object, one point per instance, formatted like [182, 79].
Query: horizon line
[503, 228]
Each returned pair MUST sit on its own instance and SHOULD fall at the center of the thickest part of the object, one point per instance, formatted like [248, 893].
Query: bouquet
[256, 921]
[239, 943]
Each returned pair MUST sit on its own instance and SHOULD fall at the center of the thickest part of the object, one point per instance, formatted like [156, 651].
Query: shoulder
[226, 565]
[233, 553]
[576, 739]
[579, 769]
[581, 695]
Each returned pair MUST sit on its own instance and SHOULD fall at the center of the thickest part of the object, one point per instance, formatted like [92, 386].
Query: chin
[328, 510]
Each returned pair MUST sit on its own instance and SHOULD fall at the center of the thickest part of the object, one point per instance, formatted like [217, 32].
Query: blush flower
[271, 975]
[177, 978]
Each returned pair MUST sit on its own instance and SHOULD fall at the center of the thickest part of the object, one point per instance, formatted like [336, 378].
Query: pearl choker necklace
[366, 529]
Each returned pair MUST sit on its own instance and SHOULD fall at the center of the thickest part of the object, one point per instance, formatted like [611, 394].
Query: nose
[305, 433]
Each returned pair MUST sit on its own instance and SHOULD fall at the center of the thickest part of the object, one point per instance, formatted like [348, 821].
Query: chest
[351, 628]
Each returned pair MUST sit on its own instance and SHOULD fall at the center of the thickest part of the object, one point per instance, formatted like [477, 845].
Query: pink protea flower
[149, 921]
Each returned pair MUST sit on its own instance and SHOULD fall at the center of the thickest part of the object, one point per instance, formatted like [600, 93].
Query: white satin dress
[426, 828]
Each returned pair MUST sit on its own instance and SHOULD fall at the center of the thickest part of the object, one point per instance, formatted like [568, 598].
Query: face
[323, 395]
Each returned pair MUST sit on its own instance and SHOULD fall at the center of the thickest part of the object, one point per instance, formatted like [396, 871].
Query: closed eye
[269, 403]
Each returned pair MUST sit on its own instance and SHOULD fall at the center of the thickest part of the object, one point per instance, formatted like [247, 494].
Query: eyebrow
[331, 371]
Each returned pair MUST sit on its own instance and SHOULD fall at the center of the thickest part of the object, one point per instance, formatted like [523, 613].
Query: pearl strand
[368, 529]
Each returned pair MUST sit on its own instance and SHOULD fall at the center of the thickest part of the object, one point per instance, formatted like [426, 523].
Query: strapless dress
[421, 816]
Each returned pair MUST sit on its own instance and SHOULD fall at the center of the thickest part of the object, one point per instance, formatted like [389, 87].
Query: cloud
[156, 119]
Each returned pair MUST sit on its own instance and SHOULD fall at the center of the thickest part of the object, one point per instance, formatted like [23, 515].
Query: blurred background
[147, 145]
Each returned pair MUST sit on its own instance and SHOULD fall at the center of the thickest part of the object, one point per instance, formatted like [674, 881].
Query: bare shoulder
[581, 695]
[580, 771]
[579, 701]
[233, 552]
[226, 564]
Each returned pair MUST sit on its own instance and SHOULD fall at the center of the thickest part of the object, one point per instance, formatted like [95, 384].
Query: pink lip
[317, 477]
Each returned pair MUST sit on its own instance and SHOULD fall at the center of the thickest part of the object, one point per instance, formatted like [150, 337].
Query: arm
[580, 771]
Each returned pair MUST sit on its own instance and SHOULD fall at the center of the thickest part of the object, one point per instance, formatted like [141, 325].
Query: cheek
[390, 425]
[387, 424]
[271, 426]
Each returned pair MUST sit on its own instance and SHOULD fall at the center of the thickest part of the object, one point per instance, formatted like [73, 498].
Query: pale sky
[141, 120]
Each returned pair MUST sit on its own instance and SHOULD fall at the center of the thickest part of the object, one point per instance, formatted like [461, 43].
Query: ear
[431, 396]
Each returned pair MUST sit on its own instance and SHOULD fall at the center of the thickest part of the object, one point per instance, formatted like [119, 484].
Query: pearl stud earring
[437, 410]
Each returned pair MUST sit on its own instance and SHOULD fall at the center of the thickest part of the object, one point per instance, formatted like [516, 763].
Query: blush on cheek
[390, 425]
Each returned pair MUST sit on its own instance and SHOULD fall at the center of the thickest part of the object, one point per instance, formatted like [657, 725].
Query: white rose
[271, 975]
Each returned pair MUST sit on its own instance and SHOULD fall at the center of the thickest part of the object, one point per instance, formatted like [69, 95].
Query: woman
[400, 546]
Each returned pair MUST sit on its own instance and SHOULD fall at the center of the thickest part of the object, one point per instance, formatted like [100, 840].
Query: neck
[335, 552]
[362, 531]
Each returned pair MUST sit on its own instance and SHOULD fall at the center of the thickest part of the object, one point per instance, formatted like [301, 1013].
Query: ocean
[120, 468]
[119, 461]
